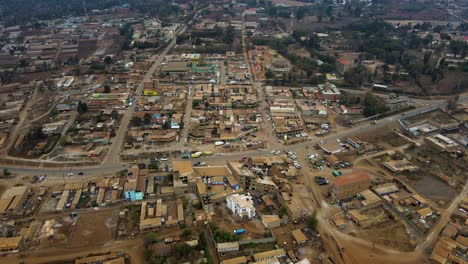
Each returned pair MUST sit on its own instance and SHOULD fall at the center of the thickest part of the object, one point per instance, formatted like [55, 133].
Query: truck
[239, 231]
[337, 173]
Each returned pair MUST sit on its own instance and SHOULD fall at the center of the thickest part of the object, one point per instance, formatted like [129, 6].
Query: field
[94, 228]
[383, 136]
[391, 234]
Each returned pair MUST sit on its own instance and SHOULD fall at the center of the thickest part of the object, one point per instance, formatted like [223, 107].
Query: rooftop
[351, 179]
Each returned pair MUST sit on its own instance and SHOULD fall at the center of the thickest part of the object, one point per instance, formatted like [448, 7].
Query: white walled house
[242, 205]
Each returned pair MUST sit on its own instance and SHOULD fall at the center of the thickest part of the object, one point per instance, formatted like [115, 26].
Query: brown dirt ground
[383, 136]
[391, 234]
[94, 230]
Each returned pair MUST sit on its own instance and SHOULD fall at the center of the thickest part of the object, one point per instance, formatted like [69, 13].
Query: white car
[70, 174]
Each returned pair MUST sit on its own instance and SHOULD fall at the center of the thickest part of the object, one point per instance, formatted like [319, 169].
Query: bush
[312, 222]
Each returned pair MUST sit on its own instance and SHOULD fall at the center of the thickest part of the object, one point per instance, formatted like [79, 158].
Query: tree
[186, 233]
[229, 35]
[356, 76]
[107, 60]
[136, 121]
[114, 114]
[150, 238]
[64, 140]
[312, 222]
[6, 173]
[182, 249]
[147, 119]
[166, 125]
[107, 88]
[269, 74]
[373, 105]
[82, 107]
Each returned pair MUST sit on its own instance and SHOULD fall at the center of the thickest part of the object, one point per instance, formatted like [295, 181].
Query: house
[237, 260]
[299, 236]
[227, 246]
[10, 244]
[395, 102]
[13, 198]
[328, 92]
[271, 254]
[331, 147]
[424, 212]
[343, 65]
[271, 221]
[349, 185]
[242, 205]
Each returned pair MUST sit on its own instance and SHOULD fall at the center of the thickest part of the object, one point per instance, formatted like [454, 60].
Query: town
[234, 132]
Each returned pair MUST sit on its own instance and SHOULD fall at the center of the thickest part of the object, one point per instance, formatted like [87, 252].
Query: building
[238, 260]
[395, 102]
[271, 254]
[441, 142]
[349, 185]
[328, 92]
[10, 244]
[227, 246]
[343, 65]
[299, 236]
[242, 205]
[271, 221]
[13, 198]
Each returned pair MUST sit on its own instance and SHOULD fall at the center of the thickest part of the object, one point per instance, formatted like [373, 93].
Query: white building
[241, 205]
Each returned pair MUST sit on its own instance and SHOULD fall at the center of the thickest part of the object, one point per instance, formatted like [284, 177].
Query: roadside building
[395, 102]
[349, 185]
[13, 198]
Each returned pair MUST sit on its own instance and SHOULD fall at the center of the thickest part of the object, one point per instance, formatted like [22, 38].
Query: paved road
[113, 156]
[112, 167]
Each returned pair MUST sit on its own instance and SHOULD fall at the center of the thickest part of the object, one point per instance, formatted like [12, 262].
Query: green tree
[312, 222]
[182, 249]
[107, 60]
[230, 35]
[186, 233]
[373, 105]
[136, 121]
[107, 88]
[114, 114]
[82, 107]
[6, 173]
[150, 238]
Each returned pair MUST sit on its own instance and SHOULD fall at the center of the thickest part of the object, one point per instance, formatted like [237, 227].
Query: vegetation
[373, 105]
[312, 222]
[82, 107]
[222, 236]
[26, 11]
[6, 173]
